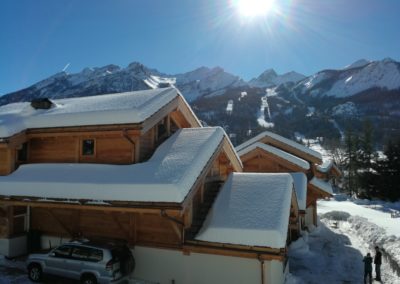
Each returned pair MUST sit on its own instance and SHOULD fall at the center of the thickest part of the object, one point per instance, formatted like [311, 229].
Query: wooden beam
[187, 113]
[115, 129]
[187, 249]
[159, 115]
[236, 247]
[110, 208]
[292, 150]
[176, 229]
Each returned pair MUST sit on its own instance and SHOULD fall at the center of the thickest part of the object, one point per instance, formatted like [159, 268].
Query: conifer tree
[366, 161]
[351, 162]
[388, 184]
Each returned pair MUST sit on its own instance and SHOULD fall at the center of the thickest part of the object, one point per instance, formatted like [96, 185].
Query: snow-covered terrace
[121, 108]
[277, 139]
[167, 176]
[276, 152]
[300, 186]
[252, 209]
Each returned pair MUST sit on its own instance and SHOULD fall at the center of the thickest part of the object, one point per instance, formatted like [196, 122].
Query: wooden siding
[136, 228]
[260, 161]
[53, 150]
[147, 144]
[109, 148]
[7, 161]
[292, 150]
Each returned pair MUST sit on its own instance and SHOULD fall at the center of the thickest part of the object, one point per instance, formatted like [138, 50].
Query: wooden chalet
[328, 171]
[269, 152]
[137, 167]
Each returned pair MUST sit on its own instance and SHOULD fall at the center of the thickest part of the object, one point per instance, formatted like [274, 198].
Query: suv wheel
[35, 272]
[88, 279]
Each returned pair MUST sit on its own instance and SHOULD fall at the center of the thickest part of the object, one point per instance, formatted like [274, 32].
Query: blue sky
[39, 38]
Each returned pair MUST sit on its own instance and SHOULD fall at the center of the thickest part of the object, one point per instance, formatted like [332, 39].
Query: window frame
[82, 147]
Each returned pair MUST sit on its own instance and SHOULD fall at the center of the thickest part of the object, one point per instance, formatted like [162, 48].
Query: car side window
[95, 255]
[80, 253]
[63, 251]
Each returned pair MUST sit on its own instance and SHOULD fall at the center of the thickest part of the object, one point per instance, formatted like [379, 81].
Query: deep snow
[347, 231]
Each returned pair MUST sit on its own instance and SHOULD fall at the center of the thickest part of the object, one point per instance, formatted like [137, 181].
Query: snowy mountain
[206, 81]
[270, 78]
[323, 104]
[353, 79]
[136, 76]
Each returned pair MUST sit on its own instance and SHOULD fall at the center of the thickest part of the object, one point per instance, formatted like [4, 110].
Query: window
[23, 153]
[62, 251]
[95, 255]
[88, 147]
[85, 253]
[80, 253]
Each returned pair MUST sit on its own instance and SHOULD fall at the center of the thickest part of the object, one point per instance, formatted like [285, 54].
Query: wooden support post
[168, 125]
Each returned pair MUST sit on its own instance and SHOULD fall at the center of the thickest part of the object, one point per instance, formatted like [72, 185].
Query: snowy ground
[333, 252]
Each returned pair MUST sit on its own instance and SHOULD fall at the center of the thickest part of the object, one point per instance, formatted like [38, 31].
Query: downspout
[28, 218]
[262, 265]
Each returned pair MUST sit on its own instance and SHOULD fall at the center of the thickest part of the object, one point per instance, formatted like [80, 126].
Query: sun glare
[254, 8]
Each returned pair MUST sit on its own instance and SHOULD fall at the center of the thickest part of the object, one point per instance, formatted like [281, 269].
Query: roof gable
[122, 108]
[284, 144]
[276, 152]
[325, 188]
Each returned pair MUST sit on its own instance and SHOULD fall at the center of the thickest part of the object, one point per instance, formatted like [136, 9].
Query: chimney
[41, 103]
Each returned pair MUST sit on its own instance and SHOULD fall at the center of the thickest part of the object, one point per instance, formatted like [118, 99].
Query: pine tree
[351, 162]
[389, 172]
[366, 161]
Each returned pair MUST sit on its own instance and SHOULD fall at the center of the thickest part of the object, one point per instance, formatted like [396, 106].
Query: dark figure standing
[378, 262]
[367, 268]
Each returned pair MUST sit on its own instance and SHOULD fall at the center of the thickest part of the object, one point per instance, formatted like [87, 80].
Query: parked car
[86, 261]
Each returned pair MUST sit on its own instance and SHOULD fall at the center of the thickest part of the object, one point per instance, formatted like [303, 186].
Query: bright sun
[254, 8]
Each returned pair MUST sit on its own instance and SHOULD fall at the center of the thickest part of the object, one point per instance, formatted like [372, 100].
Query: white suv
[86, 261]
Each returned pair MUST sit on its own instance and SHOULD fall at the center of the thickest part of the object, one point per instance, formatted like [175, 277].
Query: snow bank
[374, 226]
[376, 236]
[252, 209]
[166, 177]
[129, 107]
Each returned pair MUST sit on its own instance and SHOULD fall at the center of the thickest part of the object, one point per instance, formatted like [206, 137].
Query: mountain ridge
[357, 77]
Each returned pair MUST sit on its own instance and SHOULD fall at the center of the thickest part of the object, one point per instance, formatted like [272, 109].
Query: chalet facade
[271, 153]
[139, 167]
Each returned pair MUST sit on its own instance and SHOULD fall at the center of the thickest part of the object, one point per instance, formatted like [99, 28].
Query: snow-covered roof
[277, 152]
[326, 166]
[129, 107]
[167, 176]
[278, 138]
[252, 209]
[300, 186]
[324, 186]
